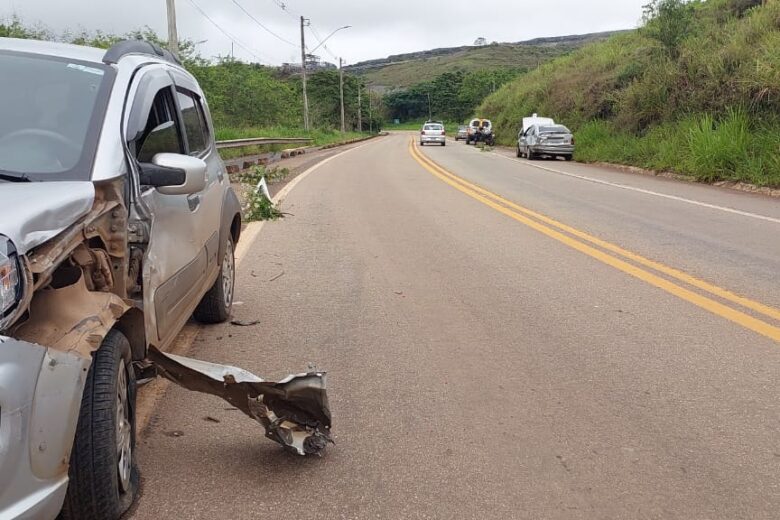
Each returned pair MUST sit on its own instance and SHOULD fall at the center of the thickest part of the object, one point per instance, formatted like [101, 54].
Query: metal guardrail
[237, 143]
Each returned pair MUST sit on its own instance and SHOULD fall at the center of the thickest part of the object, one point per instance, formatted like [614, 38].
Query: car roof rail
[125, 47]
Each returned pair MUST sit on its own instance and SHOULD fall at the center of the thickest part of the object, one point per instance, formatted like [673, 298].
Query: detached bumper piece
[293, 411]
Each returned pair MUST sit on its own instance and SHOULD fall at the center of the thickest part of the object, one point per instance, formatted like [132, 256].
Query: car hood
[33, 212]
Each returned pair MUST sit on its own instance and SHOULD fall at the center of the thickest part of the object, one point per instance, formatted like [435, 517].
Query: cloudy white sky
[379, 27]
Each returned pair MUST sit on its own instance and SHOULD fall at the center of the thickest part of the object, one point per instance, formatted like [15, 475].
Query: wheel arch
[131, 325]
[231, 220]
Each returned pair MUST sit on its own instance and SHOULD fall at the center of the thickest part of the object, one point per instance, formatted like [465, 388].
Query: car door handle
[193, 201]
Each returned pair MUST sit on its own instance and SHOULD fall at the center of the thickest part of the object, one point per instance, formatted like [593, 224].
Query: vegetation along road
[504, 339]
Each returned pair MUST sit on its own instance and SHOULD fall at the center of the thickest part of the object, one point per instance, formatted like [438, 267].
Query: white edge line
[646, 192]
[252, 230]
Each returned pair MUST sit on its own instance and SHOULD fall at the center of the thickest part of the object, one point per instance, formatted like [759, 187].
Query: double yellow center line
[618, 257]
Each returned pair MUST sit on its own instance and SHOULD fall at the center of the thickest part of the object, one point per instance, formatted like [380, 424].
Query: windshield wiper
[14, 177]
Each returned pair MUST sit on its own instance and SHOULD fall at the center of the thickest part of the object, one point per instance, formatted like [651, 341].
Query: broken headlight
[10, 279]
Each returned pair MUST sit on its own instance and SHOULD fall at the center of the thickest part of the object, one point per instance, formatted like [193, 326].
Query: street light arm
[328, 37]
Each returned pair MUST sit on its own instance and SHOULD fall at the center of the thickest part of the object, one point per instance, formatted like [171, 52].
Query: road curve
[481, 367]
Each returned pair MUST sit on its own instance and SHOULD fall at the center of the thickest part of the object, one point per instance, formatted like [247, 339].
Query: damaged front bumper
[293, 411]
[40, 395]
[40, 398]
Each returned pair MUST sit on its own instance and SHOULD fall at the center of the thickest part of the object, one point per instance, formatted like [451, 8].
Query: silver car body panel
[32, 213]
[40, 395]
[60, 50]
[294, 411]
[181, 260]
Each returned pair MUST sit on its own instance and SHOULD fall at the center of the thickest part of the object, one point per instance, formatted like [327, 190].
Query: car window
[51, 113]
[433, 127]
[194, 123]
[557, 129]
[162, 133]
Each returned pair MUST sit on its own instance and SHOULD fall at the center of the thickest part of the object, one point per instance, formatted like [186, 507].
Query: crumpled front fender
[293, 411]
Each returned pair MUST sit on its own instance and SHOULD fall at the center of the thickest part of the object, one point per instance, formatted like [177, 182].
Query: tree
[669, 22]
[479, 42]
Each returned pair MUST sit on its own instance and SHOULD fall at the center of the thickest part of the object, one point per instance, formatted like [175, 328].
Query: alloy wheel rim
[123, 429]
[228, 272]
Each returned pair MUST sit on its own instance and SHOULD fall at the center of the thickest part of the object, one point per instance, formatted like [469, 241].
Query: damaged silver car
[117, 224]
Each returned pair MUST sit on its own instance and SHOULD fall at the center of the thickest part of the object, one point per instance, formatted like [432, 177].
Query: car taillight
[443, 132]
[422, 132]
[572, 139]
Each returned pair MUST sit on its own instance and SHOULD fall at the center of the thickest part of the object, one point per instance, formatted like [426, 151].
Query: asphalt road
[578, 343]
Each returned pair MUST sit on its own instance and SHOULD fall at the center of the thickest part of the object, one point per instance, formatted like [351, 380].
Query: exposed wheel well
[235, 228]
[131, 324]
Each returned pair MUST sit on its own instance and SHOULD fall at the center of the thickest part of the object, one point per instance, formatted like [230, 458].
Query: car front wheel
[103, 474]
[216, 304]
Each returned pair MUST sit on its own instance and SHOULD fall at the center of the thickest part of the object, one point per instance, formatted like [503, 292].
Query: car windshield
[51, 111]
[557, 129]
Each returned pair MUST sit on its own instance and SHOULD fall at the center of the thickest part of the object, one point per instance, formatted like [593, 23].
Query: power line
[269, 31]
[317, 36]
[281, 5]
[223, 31]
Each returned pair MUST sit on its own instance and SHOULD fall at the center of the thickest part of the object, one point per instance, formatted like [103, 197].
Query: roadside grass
[257, 206]
[710, 109]
[708, 148]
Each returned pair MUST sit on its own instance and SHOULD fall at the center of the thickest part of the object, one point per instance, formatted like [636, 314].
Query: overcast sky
[380, 27]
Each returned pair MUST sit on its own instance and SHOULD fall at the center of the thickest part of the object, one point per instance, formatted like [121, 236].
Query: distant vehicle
[551, 140]
[463, 132]
[480, 130]
[433, 132]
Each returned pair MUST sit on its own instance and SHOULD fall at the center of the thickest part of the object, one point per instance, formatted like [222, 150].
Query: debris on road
[293, 411]
[245, 323]
[276, 277]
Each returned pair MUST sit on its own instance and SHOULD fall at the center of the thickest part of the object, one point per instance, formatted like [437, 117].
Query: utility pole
[341, 94]
[173, 37]
[430, 114]
[303, 76]
[370, 118]
[360, 108]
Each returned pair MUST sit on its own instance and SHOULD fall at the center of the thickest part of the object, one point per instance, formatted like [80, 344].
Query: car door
[530, 140]
[175, 258]
[524, 140]
[199, 140]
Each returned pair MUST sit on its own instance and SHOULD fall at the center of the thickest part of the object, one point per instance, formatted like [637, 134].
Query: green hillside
[407, 69]
[696, 91]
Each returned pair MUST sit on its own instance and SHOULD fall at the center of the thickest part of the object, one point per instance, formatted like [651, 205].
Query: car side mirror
[174, 174]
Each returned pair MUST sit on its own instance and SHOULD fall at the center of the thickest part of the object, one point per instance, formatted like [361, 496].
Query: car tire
[444, 144]
[103, 474]
[568, 157]
[217, 303]
[529, 154]
[518, 151]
